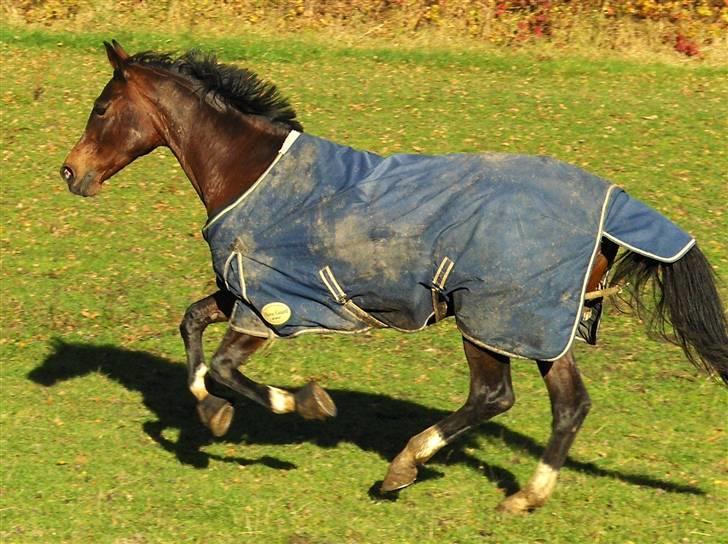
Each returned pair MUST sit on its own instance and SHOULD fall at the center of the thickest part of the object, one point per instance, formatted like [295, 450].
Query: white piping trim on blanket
[225, 270]
[487, 346]
[597, 243]
[570, 343]
[324, 331]
[287, 143]
[252, 332]
[273, 336]
[241, 275]
[241, 278]
[319, 330]
[679, 255]
[270, 333]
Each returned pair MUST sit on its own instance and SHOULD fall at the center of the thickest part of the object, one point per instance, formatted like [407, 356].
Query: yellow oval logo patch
[276, 313]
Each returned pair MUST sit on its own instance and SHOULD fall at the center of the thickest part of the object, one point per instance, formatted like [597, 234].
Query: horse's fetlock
[505, 402]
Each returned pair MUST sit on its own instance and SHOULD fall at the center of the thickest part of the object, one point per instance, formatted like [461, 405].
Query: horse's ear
[120, 50]
[117, 55]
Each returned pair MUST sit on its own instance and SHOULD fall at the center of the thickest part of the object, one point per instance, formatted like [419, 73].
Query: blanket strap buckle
[340, 296]
[439, 300]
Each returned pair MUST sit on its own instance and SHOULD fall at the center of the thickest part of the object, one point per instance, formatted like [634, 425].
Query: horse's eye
[100, 109]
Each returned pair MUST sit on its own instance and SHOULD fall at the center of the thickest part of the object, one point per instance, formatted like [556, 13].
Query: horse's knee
[190, 322]
[184, 330]
[198, 316]
[506, 402]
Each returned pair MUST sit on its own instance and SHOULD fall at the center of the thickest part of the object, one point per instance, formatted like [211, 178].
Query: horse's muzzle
[86, 186]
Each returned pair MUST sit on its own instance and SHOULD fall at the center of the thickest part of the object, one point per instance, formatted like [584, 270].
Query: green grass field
[98, 434]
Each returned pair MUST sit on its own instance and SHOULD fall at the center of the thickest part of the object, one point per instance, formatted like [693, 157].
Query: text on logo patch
[276, 313]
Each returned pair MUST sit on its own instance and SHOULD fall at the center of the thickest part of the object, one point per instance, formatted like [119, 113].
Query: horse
[335, 239]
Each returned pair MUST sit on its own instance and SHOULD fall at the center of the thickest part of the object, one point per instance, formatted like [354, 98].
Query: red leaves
[537, 22]
[686, 46]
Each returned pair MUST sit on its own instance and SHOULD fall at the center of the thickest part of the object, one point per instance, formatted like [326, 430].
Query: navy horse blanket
[332, 239]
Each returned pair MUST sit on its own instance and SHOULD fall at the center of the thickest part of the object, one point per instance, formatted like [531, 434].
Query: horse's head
[120, 128]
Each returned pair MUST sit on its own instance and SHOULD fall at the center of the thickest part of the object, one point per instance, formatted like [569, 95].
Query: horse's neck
[222, 154]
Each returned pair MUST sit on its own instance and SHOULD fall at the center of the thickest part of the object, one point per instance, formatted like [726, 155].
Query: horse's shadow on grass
[372, 422]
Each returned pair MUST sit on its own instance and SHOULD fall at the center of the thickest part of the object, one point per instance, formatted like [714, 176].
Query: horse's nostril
[67, 173]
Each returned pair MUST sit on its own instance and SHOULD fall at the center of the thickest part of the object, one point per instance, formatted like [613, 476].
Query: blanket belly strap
[601, 293]
[439, 301]
[340, 297]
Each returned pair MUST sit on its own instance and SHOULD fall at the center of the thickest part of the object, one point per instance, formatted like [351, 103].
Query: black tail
[680, 303]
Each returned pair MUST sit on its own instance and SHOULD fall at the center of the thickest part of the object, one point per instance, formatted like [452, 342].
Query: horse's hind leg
[311, 402]
[491, 393]
[569, 406]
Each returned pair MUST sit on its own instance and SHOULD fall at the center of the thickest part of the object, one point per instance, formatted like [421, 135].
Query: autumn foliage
[685, 25]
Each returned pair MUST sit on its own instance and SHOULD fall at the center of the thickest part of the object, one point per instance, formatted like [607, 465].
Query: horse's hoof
[519, 503]
[401, 474]
[312, 402]
[216, 414]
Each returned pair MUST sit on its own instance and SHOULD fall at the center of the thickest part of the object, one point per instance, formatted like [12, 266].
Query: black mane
[235, 87]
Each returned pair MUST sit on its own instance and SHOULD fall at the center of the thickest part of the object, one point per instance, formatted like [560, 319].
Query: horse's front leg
[311, 402]
[216, 413]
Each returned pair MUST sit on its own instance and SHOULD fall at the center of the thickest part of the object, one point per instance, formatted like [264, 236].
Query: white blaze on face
[281, 402]
[198, 384]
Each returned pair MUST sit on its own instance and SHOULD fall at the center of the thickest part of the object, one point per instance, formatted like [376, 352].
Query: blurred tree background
[684, 28]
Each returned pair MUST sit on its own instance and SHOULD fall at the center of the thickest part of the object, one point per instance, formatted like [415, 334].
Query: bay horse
[330, 238]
